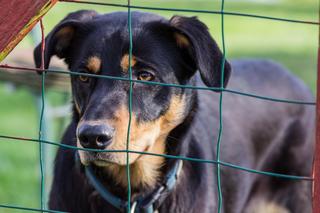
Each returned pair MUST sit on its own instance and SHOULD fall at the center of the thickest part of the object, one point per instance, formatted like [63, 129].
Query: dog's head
[166, 51]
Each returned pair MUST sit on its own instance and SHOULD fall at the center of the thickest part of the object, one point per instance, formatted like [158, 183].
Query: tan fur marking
[143, 172]
[148, 136]
[94, 64]
[174, 115]
[265, 206]
[181, 40]
[124, 63]
[77, 106]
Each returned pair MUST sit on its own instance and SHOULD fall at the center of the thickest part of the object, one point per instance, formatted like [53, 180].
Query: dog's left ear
[59, 40]
[194, 36]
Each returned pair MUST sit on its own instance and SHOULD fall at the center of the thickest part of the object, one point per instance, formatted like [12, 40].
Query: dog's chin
[106, 159]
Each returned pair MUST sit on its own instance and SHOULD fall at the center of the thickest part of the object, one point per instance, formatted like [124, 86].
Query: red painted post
[17, 17]
[316, 163]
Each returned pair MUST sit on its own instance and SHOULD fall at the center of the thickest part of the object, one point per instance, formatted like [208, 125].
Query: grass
[294, 45]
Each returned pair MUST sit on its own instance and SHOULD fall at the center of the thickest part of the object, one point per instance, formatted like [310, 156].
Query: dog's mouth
[102, 159]
[96, 158]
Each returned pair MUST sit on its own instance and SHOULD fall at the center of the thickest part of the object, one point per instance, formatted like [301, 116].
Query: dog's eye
[145, 76]
[84, 78]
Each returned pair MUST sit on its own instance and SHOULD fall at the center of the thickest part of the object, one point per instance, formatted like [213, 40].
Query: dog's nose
[96, 136]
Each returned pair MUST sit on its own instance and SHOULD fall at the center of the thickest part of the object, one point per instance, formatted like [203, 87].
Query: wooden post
[316, 163]
[17, 19]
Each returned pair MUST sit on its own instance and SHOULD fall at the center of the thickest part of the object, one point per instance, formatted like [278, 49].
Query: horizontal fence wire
[194, 11]
[28, 209]
[216, 162]
[216, 89]
[226, 164]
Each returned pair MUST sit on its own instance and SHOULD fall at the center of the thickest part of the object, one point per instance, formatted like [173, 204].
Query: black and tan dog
[262, 135]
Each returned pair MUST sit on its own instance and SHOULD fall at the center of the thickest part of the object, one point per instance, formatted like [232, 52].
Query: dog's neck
[144, 173]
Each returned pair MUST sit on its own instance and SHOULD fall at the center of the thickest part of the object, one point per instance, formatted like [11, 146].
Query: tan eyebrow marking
[124, 63]
[94, 64]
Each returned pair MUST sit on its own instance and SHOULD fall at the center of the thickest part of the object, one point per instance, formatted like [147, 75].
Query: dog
[256, 134]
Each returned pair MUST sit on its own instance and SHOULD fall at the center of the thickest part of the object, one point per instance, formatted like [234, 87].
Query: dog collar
[141, 204]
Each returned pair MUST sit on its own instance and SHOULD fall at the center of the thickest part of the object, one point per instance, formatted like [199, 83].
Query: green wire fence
[216, 161]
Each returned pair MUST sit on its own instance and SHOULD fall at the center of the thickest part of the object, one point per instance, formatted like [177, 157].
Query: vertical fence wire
[130, 108]
[43, 75]
[220, 196]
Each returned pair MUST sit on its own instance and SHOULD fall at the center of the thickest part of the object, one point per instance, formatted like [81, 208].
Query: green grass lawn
[294, 45]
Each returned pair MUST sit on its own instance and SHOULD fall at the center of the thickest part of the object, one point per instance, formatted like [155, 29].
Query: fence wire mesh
[218, 162]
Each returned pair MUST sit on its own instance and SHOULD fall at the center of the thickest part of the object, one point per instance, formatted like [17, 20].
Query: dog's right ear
[60, 38]
[193, 35]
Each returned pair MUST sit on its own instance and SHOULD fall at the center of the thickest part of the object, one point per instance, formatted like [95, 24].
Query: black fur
[262, 135]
